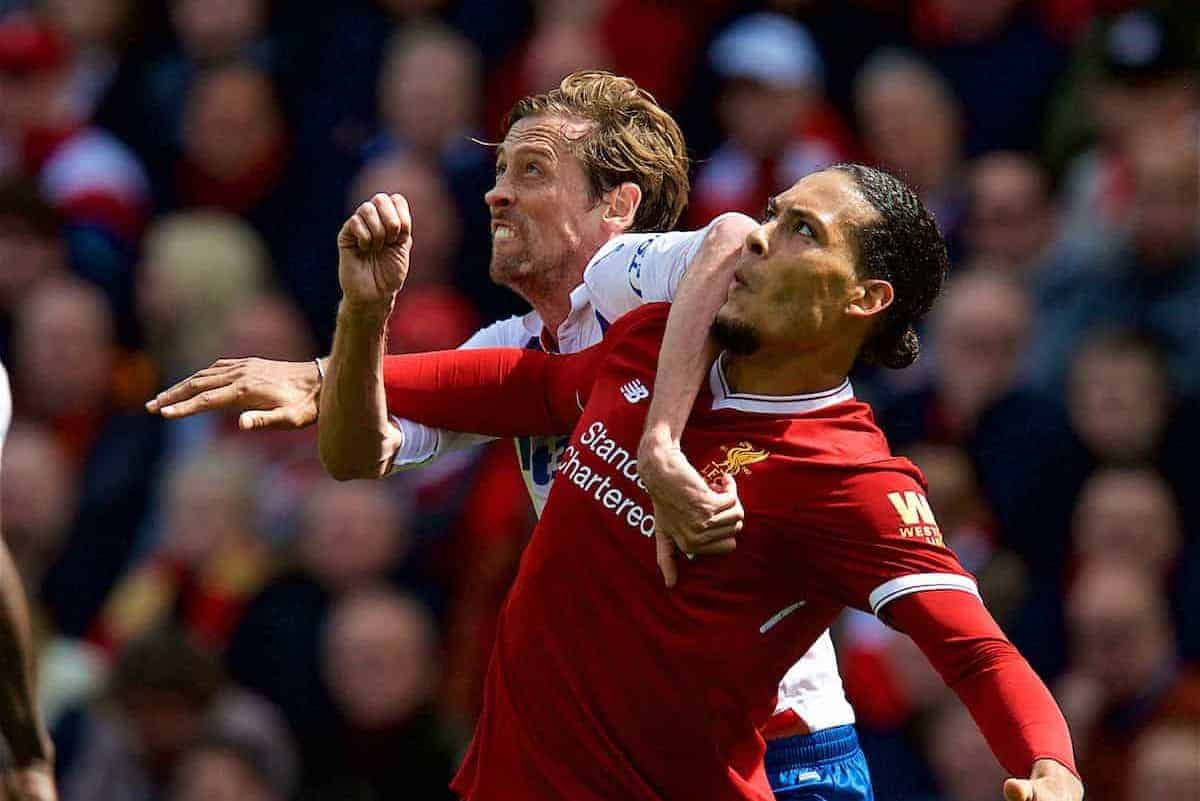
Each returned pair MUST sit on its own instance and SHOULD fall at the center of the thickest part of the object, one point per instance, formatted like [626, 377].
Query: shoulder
[513, 332]
[647, 322]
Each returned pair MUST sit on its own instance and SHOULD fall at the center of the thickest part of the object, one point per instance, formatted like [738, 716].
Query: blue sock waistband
[827, 745]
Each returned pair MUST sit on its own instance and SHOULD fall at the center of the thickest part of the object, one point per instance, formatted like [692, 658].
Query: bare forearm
[355, 436]
[687, 349]
[19, 720]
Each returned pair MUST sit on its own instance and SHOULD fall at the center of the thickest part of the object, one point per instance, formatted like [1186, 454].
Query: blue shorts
[825, 766]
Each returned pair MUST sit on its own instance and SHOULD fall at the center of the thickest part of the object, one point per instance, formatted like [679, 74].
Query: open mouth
[502, 231]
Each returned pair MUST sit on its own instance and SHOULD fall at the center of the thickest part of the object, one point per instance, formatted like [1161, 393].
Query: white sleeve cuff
[419, 446]
[889, 591]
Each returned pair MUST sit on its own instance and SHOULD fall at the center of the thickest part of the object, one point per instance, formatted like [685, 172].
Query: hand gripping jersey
[627, 272]
[606, 685]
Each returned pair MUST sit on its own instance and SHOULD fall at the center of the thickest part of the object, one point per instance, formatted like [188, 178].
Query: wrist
[373, 313]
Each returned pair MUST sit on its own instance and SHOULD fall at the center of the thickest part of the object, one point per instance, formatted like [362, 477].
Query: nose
[499, 196]
[756, 241]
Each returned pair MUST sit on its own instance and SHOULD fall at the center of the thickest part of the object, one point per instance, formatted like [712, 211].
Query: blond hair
[632, 139]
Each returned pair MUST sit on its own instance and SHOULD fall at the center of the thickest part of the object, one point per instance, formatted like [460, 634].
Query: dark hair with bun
[904, 247]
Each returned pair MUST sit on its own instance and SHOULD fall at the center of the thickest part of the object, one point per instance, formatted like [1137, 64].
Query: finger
[264, 420]
[370, 217]
[389, 216]
[359, 232]
[1018, 790]
[665, 556]
[189, 388]
[219, 398]
[404, 213]
[690, 542]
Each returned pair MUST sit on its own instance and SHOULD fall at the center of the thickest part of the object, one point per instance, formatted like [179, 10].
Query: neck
[769, 372]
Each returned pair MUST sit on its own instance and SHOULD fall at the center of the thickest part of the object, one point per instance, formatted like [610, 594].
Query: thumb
[1019, 790]
[665, 556]
[725, 485]
[259, 420]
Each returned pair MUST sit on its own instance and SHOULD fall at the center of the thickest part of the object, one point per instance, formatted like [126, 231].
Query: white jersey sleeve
[633, 269]
[422, 444]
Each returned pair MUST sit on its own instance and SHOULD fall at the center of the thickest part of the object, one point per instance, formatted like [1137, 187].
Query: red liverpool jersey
[606, 685]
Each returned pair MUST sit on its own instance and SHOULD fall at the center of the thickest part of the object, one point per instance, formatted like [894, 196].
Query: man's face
[545, 221]
[796, 276]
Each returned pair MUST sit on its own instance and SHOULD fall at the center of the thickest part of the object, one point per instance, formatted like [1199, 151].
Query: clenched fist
[373, 249]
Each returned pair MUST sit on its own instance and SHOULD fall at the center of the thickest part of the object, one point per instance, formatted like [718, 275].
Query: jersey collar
[724, 398]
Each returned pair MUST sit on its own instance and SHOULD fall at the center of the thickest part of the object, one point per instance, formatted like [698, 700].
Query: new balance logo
[635, 391]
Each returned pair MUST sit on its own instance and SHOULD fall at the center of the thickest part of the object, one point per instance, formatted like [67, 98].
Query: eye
[769, 214]
[499, 169]
[804, 229]
[532, 169]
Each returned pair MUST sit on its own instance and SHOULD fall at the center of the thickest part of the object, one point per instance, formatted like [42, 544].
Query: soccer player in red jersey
[606, 684]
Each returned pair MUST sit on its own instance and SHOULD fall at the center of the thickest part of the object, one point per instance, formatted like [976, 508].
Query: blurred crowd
[218, 620]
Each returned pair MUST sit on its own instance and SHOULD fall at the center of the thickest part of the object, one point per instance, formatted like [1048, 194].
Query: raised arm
[355, 437]
[1010, 704]
[690, 514]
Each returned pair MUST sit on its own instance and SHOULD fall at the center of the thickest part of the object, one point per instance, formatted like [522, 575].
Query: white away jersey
[626, 272]
[5, 405]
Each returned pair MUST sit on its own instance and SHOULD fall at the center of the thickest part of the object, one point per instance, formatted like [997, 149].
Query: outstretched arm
[500, 392]
[1009, 703]
[690, 514]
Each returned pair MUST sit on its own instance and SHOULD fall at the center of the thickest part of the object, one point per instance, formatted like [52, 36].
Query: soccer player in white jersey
[30, 777]
[588, 177]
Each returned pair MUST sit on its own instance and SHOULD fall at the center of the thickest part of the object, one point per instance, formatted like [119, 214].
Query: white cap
[770, 48]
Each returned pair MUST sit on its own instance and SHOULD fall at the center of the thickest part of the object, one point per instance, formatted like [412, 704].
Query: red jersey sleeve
[1010, 704]
[879, 541]
[882, 552]
[500, 392]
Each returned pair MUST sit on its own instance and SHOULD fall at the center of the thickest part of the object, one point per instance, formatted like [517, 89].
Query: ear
[872, 297]
[622, 205]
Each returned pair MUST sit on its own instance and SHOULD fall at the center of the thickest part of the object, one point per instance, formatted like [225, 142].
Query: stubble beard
[735, 336]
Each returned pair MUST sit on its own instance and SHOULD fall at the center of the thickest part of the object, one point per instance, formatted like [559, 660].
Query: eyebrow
[794, 213]
[536, 148]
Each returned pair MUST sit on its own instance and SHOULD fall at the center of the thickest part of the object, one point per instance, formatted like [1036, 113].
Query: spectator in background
[1145, 80]
[32, 248]
[978, 339]
[773, 111]
[96, 183]
[1148, 278]
[379, 655]
[1128, 517]
[227, 769]
[235, 153]
[352, 535]
[100, 33]
[430, 100]
[971, 42]
[37, 501]
[962, 763]
[201, 570]
[435, 257]
[196, 266]
[1012, 219]
[164, 695]
[112, 449]
[1125, 676]
[1165, 763]
[911, 123]
[205, 35]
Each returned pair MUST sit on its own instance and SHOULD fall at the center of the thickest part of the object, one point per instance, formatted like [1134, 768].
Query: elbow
[342, 467]
[727, 232]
